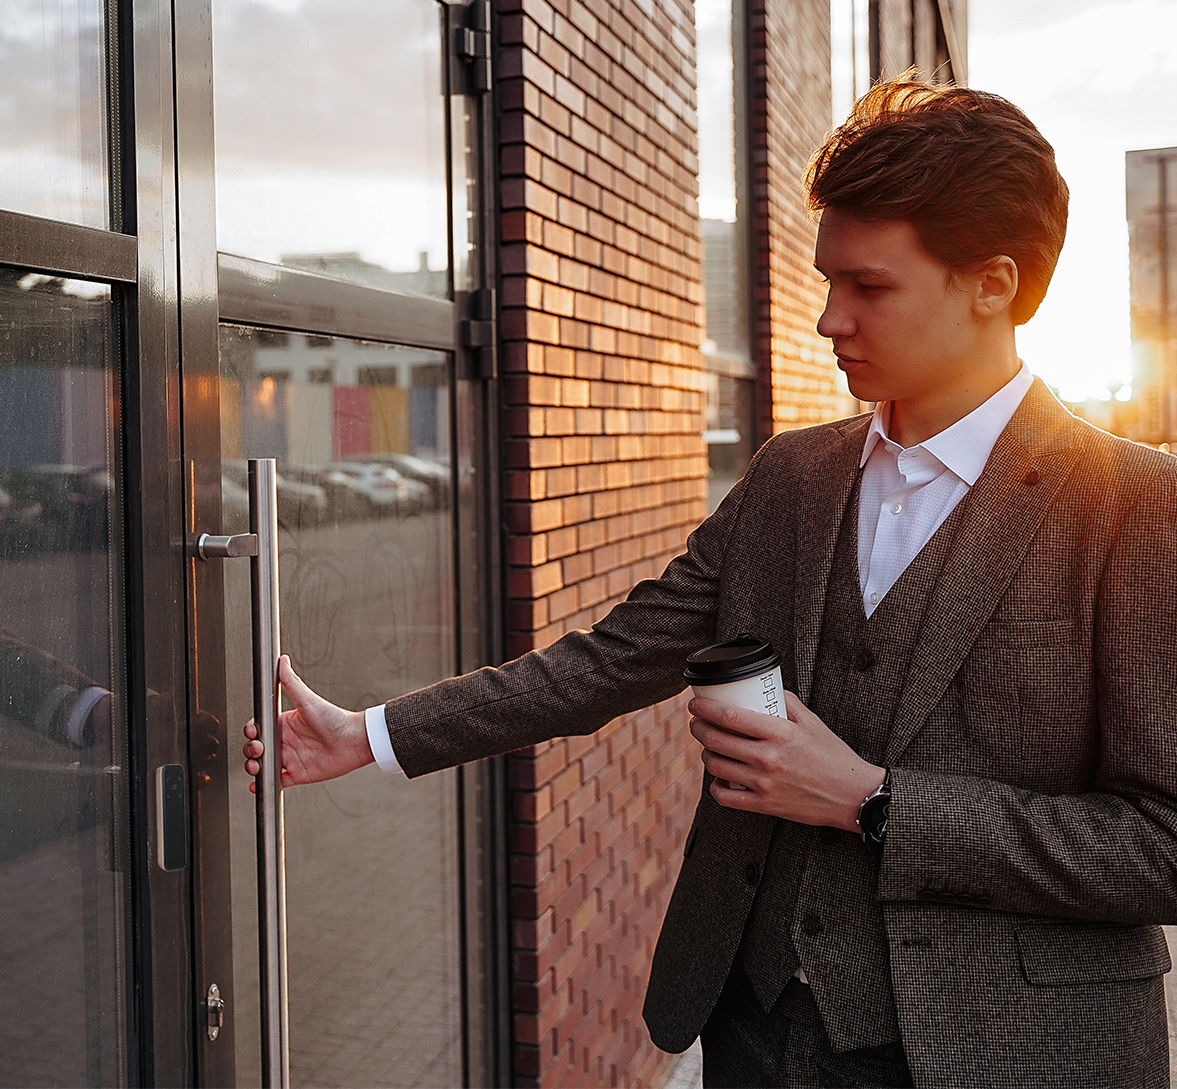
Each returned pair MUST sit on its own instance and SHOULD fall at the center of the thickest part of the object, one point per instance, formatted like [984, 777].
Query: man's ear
[997, 284]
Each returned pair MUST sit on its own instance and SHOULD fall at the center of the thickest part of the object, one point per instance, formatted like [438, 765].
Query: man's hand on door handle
[319, 740]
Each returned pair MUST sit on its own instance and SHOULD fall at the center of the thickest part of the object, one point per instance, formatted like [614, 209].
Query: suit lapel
[1005, 509]
[821, 505]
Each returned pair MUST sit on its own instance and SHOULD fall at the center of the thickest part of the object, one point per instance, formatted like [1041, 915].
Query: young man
[975, 598]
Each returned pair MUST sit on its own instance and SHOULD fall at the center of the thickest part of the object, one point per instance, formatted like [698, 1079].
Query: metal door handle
[215, 546]
[271, 848]
[261, 544]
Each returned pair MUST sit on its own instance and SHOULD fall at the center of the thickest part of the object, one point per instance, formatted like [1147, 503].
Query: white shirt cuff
[378, 739]
[76, 726]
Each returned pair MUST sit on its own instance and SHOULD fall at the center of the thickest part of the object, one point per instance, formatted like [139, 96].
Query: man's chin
[863, 389]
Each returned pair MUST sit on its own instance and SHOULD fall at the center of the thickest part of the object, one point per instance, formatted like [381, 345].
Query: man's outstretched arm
[319, 740]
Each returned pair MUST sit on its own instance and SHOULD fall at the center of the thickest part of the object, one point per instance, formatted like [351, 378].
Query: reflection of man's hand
[794, 767]
[319, 740]
[204, 746]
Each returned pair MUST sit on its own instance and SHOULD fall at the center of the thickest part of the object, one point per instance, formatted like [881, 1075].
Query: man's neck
[916, 420]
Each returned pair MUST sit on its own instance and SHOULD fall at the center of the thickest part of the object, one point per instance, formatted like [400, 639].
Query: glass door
[172, 303]
[94, 925]
[65, 844]
[345, 263]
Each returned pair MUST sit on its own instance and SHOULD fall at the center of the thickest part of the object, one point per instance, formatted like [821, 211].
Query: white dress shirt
[907, 493]
[904, 497]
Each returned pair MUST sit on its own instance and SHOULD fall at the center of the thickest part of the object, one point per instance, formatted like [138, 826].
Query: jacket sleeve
[1108, 853]
[632, 658]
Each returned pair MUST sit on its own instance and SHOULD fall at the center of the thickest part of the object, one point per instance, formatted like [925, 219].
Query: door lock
[216, 1011]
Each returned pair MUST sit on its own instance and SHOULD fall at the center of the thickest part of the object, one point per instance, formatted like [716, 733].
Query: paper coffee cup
[743, 672]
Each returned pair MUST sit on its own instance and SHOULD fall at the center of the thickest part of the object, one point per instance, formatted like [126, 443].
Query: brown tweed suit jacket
[1032, 846]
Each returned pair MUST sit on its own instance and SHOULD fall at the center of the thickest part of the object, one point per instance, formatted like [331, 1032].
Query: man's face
[902, 328]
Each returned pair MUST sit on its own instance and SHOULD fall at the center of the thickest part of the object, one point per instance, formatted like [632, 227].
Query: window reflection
[330, 138]
[52, 113]
[62, 822]
[726, 353]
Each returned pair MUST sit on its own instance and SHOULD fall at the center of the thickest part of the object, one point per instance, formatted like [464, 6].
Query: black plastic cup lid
[736, 660]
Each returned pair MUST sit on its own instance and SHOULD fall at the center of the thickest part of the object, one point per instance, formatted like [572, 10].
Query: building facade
[415, 290]
[1151, 206]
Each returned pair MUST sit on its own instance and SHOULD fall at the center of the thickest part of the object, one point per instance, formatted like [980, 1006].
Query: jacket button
[1031, 478]
[752, 873]
[811, 924]
[864, 659]
[828, 836]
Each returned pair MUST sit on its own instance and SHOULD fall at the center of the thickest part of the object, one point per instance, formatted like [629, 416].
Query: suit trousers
[744, 1047]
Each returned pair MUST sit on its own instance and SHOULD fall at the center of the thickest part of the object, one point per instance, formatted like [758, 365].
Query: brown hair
[967, 169]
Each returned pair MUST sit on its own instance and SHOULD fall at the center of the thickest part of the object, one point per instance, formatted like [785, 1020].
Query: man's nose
[835, 321]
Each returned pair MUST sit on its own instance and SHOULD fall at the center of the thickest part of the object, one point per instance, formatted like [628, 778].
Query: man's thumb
[295, 687]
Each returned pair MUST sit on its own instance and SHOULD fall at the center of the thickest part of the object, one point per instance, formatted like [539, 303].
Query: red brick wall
[605, 476]
[789, 116]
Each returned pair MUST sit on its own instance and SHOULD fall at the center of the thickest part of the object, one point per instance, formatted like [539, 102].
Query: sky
[1098, 79]
[327, 141]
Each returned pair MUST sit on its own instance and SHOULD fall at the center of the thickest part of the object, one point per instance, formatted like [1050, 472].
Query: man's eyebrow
[863, 270]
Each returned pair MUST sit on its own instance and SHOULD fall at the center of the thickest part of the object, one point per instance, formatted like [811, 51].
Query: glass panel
[62, 815]
[53, 158]
[725, 349]
[330, 138]
[361, 434]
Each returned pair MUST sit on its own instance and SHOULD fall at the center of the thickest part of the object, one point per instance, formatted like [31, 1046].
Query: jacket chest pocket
[1021, 708]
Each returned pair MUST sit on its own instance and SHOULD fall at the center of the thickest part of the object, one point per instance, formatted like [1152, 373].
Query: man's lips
[848, 363]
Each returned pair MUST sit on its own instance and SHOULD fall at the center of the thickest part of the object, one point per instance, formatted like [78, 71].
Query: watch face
[872, 817]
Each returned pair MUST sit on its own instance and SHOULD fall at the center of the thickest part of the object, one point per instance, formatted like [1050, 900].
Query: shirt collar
[965, 446]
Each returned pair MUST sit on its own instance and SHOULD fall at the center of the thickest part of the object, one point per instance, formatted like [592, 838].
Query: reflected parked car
[299, 503]
[435, 475]
[345, 501]
[373, 489]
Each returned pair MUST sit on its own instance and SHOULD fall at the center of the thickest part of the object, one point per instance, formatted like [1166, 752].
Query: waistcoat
[816, 906]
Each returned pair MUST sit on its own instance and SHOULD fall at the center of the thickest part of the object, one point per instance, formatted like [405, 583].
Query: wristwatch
[873, 813]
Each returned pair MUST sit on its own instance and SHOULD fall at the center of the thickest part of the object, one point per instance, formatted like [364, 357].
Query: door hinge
[472, 44]
[479, 335]
[215, 1012]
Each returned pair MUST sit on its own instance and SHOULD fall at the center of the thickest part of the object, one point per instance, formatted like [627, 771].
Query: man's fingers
[730, 772]
[252, 768]
[723, 741]
[797, 711]
[736, 720]
[733, 796]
